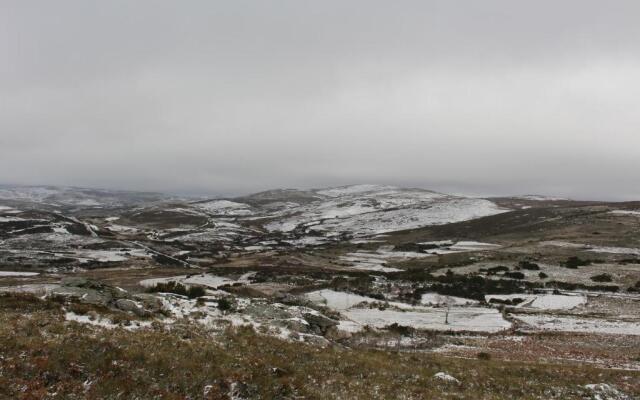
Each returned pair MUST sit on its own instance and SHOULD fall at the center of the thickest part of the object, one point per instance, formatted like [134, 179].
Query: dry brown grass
[43, 357]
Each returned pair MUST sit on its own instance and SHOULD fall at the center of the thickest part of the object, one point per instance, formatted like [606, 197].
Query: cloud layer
[491, 97]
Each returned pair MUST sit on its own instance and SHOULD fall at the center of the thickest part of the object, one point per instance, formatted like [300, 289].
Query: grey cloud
[491, 97]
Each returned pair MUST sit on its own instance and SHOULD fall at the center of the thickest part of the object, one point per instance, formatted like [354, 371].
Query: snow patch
[543, 301]
[14, 273]
[104, 323]
[582, 325]
[224, 207]
[435, 299]
[625, 212]
[446, 377]
[604, 391]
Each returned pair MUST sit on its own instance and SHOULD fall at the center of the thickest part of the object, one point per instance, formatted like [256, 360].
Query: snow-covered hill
[62, 196]
[372, 209]
[282, 216]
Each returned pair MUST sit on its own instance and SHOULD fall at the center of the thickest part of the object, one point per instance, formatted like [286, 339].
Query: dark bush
[576, 286]
[409, 247]
[224, 305]
[164, 260]
[400, 329]
[528, 265]
[514, 275]
[542, 275]
[601, 278]
[575, 262]
[196, 291]
[509, 302]
[178, 288]
[495, 270]
[484, 356]
[474, 286]
[374, 295]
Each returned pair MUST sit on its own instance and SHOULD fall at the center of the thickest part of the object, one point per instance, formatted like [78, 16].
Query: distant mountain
[74, 197]
[355, 210]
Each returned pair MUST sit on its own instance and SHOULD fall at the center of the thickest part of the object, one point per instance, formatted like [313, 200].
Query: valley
[447, 284]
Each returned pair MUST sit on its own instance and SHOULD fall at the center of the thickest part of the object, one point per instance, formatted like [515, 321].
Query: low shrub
[508, 302]
[475, 286]
[514, 275]
[528, 265]
[576, 286]
[495, 270]
[400, 329]
[224, 304]
[575, 262]
[635, 288]
[602, 278]
[178, 288]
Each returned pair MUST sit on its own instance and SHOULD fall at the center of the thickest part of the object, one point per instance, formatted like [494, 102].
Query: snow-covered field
[340, 300]
[105, 323]
[580, 325]
[452, 246]
[625, 212]
[9, 210]
[376, 261]
[35, 288]
[435, 299]
[595, 249]
[544, 301]
[361, 311]
[475, 319]
[537, 197]
[17, 274]
[207, 280]
[224, 207]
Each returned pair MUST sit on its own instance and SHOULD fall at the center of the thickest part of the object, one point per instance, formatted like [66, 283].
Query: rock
[132, 306]
[319, 323]
[117, 293]
[279, 372]
[149, 302]
[266, 311]
[295, 325]
[85, 295]
[603, 391]
[74, 281]
[446, 377]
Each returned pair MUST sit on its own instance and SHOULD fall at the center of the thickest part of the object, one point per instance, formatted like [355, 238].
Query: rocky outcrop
[319, 324]
[95, 292]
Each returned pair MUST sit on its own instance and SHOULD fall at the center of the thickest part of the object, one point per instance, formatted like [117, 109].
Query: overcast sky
[477, 97]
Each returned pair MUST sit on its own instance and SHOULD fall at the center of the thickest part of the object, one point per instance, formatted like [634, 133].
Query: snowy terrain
[580, 325]
[299, 218]
[76, 197]
[360, 311]
[544, 301]
[595, 249]
[371, 209]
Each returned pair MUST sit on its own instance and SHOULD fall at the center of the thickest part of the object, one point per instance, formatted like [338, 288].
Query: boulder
[85, 295]
[131, 306]
[149, 302]
[319, 323]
